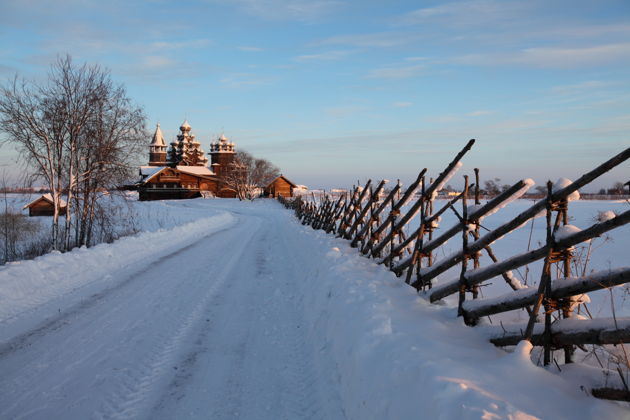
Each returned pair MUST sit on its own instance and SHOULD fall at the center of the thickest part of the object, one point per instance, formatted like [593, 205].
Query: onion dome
[185, 127]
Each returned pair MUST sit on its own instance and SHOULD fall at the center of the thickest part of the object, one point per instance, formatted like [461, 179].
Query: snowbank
[400, 357]
[26, 285]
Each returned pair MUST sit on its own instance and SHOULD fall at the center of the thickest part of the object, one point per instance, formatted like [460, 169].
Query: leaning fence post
[462, 277]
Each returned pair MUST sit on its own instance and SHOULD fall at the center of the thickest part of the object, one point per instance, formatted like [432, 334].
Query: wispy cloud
[475, 12]
[479, 113]
[570, 57]
[378, 40]
[581, 87]
[278, 10]
[344, 110]
[402, 104]
[177, 45]
[324, 56]
[151, 62]
[553, 57]
[242, 80]
[250, 49]
[396, 72]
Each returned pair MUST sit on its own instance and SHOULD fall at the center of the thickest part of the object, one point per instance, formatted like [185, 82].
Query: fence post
[462, 276]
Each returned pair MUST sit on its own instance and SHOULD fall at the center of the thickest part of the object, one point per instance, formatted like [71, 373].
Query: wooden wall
[280, 187]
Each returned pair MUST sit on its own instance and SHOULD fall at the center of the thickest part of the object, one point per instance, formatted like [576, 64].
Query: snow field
[245, 313]
[400, 357]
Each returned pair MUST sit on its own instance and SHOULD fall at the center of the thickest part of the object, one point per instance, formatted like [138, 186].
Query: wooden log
[428, 222]
[360, 218]
[396, 207]
[559, 289]
[352, 213]
[611, 394]
[522, 218]
[485, 273]
[347, 211]
[566, 332]
[428, 194]
[335, 214]
[374, 216]
[489, 207]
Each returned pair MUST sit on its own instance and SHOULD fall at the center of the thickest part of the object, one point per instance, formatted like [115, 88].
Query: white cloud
[552, 57]
[344, 111]
[396, 72]
[275, 10]
[377, 40]
[571, 57]
[475, 12]
[152, 62]
[588, 85]
[176, 45]
[479, 113]
[324, 56]
[402, 104]
[242, 80]
[250, 49]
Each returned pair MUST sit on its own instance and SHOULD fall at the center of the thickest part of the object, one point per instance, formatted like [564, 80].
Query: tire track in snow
[130, 403]
[257, 360]
[124, 384]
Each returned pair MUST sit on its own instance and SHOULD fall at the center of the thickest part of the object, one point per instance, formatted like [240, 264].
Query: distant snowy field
[394, 355]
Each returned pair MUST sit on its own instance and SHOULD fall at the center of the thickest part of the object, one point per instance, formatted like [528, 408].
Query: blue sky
[335, 91]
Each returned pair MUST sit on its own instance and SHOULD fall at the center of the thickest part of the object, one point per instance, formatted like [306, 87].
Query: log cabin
[43, 206]
[280, 186]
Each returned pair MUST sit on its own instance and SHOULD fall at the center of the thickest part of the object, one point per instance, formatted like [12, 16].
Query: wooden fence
[373, 222]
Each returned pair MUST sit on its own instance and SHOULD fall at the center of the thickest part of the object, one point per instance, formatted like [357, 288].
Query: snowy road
[239, 311]
[213, 330]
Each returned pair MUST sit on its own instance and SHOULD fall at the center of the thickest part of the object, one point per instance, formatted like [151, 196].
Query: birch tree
[64, 129]
[247, 175]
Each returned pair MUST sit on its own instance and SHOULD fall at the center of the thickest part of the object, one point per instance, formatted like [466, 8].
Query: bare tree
[247, 175]
[31, 116]
[617, 188]
[72, 129]
[113, 137]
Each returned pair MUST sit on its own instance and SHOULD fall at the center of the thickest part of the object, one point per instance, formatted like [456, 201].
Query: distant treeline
[24, 190]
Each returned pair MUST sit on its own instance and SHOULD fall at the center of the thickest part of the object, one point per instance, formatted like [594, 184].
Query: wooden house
[166, 183]
[43, 206]
[280, 186]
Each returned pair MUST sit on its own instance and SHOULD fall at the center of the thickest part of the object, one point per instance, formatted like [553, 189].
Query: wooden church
[182, 171]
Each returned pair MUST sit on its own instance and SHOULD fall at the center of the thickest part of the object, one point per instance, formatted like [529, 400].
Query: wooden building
[43, 206]
[280, 186]
[181, 182]
[182, 171]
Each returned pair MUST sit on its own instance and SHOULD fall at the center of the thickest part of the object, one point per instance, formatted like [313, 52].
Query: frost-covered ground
[222, 309]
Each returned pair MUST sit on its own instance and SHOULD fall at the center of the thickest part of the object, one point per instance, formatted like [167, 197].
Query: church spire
[157, 149]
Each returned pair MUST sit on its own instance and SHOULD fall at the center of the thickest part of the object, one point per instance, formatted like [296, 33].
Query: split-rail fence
[374, 221]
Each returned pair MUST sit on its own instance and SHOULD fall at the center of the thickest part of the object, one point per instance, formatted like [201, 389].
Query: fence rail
[375, 222]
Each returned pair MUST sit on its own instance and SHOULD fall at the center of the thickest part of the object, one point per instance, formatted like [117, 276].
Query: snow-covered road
[238, 311]
[213, 330]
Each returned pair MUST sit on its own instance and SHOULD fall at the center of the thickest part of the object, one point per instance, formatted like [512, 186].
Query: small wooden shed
[280, 186]
[43, 206]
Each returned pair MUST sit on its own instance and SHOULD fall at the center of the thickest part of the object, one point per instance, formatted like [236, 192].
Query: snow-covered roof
[158, 138]
[195, 170]
[46, 197]
[153, 171]
[285, 178]
[150, 170]
[185, 126]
